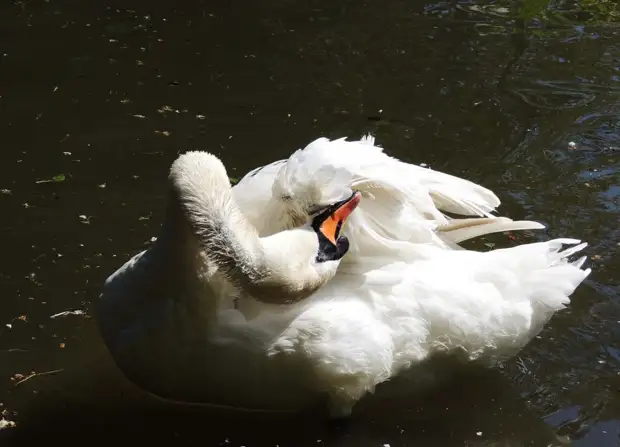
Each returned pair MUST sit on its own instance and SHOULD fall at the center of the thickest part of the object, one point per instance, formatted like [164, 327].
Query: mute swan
[398, 290]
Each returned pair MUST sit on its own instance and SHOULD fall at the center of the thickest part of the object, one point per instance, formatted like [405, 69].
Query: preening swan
[251, 296]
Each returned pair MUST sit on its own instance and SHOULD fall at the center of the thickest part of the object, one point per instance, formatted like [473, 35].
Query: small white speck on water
[572, 145]
[479, 433]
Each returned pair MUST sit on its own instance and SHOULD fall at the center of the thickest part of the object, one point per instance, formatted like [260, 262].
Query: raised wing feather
[403, 203]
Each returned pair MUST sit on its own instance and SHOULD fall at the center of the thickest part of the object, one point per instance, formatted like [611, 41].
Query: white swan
[404, 290]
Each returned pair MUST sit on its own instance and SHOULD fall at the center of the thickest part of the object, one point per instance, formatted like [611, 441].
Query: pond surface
[97, 99]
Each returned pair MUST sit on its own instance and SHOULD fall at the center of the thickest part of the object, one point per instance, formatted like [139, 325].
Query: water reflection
[106, 95]
[95, 402]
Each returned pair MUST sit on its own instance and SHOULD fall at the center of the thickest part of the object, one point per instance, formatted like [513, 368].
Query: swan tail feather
[553, 286]
[501, 299]
[547, 274]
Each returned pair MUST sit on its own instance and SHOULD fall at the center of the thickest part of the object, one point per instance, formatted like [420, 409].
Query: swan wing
[367, 163]
[403, 204]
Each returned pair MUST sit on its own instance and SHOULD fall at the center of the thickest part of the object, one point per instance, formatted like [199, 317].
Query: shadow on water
[97, 100]
[95, 403]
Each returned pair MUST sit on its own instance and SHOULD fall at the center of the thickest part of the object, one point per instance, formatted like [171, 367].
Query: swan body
[192, 325]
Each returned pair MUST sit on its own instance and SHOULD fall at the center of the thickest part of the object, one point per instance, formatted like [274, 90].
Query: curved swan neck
[270, 269]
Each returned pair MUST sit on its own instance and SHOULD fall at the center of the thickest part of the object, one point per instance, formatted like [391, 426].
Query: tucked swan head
[282, 268]
[303, 259]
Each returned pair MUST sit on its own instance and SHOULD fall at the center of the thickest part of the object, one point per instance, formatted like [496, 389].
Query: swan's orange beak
[332, 226]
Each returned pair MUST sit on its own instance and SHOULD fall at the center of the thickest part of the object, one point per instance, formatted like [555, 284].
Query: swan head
[285, 267]
[305, 187]
[328, 225]
[312, 255]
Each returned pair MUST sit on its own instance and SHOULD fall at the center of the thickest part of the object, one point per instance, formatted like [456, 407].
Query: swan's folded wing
[456, 195]
[403, 202]
[370, 168]
[366, 161]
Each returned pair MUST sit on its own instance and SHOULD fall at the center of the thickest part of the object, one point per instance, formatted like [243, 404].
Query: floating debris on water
[68, 312]
[6, 424]
[56, 179]
[23, 378]
[167, 109]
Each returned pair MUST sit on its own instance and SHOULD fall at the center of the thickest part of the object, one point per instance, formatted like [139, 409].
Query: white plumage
[404, 291]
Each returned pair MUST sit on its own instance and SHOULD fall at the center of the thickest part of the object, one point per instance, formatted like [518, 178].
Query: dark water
[107, 94]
